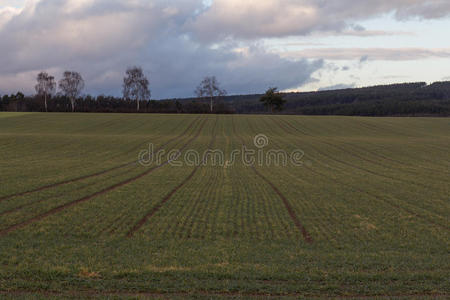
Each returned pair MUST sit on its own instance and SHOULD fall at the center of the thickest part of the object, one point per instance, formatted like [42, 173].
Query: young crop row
[62, 206]
[222, 202]
[131, 206]
[354, 209]
[212, 202]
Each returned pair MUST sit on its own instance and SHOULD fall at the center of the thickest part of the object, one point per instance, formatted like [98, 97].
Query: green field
[366, 213]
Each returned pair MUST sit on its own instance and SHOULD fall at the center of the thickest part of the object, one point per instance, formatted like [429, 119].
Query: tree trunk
[72, 101]
[211, 104]
[45, 101]
[137, 104]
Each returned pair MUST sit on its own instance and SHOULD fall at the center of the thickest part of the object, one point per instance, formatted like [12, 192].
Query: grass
[79, 217]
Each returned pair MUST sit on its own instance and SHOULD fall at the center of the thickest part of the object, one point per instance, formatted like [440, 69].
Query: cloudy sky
[248, 45]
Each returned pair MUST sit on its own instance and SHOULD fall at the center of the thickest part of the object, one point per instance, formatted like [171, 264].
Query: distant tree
[209, 87]
[45, 86]
[71, 85]
[179, 106]
[135, 85]
[18, 96]
[273, 100]
[4, 102]
[14, 102]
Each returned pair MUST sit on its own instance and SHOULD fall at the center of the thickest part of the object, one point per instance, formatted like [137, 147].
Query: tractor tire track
[306, 236]
[156, 208]
[423, 207]
[18, 208]
[322, 227]
[40, 189]
[253, 129]
[89, 197]
[397, 206]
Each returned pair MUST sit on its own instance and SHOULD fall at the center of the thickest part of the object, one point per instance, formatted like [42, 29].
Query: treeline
[109, 104]
[387, 100]
[136, 97]
[409, 99]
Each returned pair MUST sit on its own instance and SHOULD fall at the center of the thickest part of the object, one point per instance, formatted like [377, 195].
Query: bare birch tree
[135, 85]
[209, 87]
[71, 85]
[45, 86]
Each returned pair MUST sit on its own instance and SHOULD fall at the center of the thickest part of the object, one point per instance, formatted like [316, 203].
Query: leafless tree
[71, 85]
[135, 85]
[209, 87]
[45, 86]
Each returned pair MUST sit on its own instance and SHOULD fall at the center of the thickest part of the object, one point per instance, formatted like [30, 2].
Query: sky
[249, 45]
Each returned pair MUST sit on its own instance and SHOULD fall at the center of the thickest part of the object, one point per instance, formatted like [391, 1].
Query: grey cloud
[249, 71]
[357, 27]
[364, 58]
[280, 18]
[101, 38]
[341, 86]
[425, 9]
[106, 29]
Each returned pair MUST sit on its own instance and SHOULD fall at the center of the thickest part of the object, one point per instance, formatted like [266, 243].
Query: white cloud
[365, 54]
[372, 33]
[6, 14]
[12, 3]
